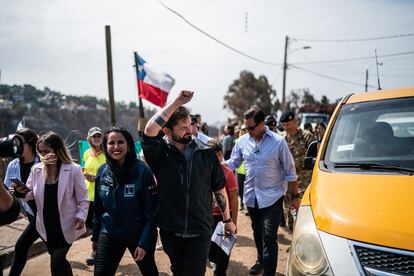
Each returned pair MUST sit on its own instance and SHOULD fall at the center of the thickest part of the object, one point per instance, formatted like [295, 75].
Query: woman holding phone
[57, 186]
[18, 170]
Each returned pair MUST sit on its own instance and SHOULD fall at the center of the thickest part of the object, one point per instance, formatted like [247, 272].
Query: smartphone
[19, 183]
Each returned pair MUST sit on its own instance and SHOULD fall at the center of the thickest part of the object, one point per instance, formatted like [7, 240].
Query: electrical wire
[222, 12]
[355, 59]
[227, 9]
[235, 8]
[303, 63]
[355, 39]
[216, 39]
[347, 70]
[276, 77]
[328, 77]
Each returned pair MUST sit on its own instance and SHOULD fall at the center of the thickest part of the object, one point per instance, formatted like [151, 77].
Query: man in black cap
[298, 141]
[271, 123]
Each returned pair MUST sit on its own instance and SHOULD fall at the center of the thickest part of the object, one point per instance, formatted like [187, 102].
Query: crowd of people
[184, 184]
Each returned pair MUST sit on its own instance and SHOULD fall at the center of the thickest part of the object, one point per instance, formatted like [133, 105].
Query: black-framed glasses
[250, 128]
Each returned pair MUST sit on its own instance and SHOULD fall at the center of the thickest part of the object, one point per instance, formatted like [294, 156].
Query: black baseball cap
[287, 117]
[270, 121]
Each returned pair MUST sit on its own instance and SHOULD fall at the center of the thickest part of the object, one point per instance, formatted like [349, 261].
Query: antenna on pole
[377, 63]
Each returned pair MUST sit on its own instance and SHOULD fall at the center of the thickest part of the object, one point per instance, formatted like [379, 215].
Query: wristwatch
[227, 220]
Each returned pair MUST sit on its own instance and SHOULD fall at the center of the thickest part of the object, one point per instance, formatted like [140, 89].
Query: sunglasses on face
[250, 128]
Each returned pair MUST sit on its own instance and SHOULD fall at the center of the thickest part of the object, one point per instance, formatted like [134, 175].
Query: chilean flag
[153, 84]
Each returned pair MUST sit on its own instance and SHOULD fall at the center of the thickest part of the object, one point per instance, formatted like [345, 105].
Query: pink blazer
[73, 199]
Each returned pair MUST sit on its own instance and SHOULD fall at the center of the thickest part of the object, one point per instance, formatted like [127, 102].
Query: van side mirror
[311, 155]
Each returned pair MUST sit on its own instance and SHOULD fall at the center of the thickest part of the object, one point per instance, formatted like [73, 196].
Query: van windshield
[377, 132]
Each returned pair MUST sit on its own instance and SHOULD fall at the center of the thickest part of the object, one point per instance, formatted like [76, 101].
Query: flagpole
[141, 120]
[110, 75]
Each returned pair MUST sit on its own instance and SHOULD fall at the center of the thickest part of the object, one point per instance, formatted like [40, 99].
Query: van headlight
[306, 256]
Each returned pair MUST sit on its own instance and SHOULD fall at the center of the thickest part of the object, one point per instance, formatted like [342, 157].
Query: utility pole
[377, 63]
[366, 81]
[110, 76]
[284, 75]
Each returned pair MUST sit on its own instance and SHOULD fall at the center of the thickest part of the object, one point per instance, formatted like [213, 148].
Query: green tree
[293, 101]
[247, 91]
[324, 100]
[307, 97]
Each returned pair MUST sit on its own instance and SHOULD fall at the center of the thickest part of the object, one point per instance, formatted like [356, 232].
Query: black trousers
[89, 218]
[217, 255]
[240, 184]
[188, 256]
[59, 265]
[21, 249]
[265, 223]
[110, 252]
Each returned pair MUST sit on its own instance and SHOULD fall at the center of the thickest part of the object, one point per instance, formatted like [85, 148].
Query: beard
[182, 140]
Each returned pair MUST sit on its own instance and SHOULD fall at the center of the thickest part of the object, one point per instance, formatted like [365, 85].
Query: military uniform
[298, 145]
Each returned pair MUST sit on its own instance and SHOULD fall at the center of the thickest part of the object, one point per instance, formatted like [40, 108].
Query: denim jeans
[188, 256]
[110, 252]
[265, 223]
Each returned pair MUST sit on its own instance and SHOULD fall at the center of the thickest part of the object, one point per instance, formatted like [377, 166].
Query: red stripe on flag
[152, 94]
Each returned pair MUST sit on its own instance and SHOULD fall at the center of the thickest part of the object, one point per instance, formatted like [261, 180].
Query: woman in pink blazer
[58, 188]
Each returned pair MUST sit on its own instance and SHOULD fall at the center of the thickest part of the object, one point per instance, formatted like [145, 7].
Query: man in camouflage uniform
[298, 141]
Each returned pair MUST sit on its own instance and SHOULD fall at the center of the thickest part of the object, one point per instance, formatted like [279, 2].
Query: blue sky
[61, 45]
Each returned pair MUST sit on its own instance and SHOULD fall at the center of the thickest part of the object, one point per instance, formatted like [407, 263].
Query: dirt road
[242, 258]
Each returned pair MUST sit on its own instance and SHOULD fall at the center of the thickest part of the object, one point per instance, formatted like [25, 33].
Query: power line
[329, 77]
[227, 9]
[346, 70]
[276, 77]
[355, 39]
[217, 40]
[235, 8]
[222, 12]
[354, 59]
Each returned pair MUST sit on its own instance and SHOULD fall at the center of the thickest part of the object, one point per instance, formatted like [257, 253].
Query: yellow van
[357, 215]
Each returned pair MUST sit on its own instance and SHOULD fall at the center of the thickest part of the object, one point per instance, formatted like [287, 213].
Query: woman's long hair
[55, 142]
[120, 172]
[30, 137]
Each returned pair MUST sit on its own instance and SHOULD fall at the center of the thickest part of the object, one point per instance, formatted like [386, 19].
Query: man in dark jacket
[187, 172]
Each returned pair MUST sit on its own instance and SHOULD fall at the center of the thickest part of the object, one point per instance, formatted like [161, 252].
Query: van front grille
[391, 262]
